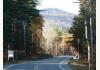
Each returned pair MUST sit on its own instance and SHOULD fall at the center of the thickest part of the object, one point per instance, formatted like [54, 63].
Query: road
[56, 63]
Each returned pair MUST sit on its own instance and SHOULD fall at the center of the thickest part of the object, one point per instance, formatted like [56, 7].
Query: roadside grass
[76, 67]
[80, 65]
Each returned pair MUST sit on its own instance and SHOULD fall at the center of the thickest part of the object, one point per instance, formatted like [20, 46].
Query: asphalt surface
[56, 63]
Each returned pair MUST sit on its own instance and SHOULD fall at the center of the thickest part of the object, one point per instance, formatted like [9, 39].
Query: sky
[66, 5]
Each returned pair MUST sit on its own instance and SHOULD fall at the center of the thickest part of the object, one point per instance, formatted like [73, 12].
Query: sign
[10, 54]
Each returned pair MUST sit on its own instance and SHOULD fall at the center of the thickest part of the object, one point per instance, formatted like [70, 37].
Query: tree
[78, 30]
[19, 18]
[87, 12]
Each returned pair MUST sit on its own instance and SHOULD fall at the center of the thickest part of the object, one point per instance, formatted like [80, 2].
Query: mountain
[57, 17]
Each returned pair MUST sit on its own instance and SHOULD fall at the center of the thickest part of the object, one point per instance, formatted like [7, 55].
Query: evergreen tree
[19, 18]
[78, 28]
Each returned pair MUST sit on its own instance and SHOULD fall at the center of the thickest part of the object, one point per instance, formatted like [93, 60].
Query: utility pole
[91, 42]
[91, 32]
[89, 61]
[24, 27]
[90, 48]
[86, 36]
[78, 55]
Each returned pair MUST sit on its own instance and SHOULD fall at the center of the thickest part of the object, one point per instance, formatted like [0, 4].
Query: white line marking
[62, 62]
[49, 63]
[13, 65]
[9, 66]
[33, 63]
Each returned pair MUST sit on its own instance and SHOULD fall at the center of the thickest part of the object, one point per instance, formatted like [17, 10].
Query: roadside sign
[10, 54]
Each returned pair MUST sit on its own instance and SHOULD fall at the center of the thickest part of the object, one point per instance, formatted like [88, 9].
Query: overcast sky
[66, 5]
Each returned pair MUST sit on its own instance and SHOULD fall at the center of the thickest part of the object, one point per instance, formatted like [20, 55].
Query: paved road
[56, 63]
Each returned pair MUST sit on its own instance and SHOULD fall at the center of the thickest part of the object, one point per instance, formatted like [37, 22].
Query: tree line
[22, 26]
[84, 29]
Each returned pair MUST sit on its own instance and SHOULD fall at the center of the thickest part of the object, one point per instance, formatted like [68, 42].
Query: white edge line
[62, 62]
